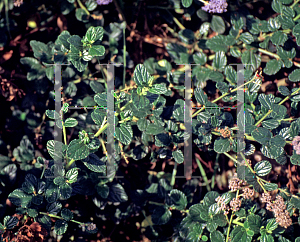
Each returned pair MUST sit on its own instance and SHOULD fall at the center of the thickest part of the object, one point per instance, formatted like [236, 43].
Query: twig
[174, 174]
[122, 153]
[204, 163]
[83, 7]
[203, 174]
[292, 187]
[124, 57]
[271, 110]
[121, 13]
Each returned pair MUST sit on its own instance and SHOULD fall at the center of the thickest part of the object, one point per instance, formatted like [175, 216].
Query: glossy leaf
[54, 208]
[295, 159]
[273, 66]
[186, 36]
[158, 88]
[296, 33]
[93, 34]
[93, 163]
[66, 214]
[239, 234]
[101, 99]
[220, 60]
[60, 227]
[263, 168]
[200, 58]
[261, 135]
[278, 141]
[71, 175]
[254, 222]
[52, 114]
[117, 193]
[10, 222]
[178, 199]
[97, 50]
[217, 24]
[200, 96]
[247, 38]
[142, 124]
[141, 76]
[270, 123]
[154, 129]
[199, 212]
[248, 57]
[90, 5]
[178, 156]
[210, 198]
[217, 236]
[270, 186]
[187, 3]
[77, 150]
[294, 129]
[59, 181]
[70, 122]
[124, 134]
[279, 38]
[194, 234]
[273, 24]
[222, 145]
[161, 215]
[217, 43]
[20, 198]
[267, 238]
[55, 149]
[284, 90]
[103, 190]
[295, 76]
[65, 191]
[52, 193]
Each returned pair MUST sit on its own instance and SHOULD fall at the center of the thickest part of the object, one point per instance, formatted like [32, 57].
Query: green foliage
[67, 47]
[149, 126]
[9, 222]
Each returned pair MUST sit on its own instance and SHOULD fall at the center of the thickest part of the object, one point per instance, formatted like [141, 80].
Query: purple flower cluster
[216, 6]
[91, 226]
[104, 2]
[296, 144]
[17, 3]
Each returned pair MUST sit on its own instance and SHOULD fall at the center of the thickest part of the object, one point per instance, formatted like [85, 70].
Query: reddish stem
[204, 163]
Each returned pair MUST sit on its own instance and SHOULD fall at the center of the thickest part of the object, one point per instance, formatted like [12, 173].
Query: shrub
[149, 123]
